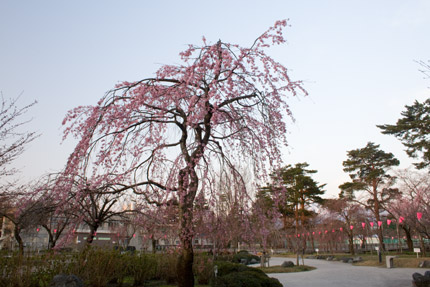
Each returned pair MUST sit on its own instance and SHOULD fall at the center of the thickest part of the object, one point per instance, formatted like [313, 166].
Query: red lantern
[419, 215]
[388, 221]
[379, 223]
[134, 235]
[401, 218]
[363, 224]
[38, 229]
[371, 224]
[341, 229]
[55, 230]
[351, 227]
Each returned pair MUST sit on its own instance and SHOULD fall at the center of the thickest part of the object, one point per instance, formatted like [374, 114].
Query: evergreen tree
[413, 130]
[293, 191]
[367, 168]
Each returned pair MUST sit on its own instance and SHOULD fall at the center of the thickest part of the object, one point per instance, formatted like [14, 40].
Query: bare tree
[13, 140]
[425, 68]
[348, 213]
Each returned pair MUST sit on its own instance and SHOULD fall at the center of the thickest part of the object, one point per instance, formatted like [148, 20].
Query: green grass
[280, 269]
[160, 283]
[403, 261]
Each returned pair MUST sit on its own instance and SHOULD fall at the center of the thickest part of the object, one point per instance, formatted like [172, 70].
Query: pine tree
[413, 130]
[294, 190]
[367, 168]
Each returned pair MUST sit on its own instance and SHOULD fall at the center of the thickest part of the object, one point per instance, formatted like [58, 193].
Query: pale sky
[356, 58]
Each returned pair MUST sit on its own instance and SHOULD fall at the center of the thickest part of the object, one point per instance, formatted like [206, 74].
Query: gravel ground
[338, 274]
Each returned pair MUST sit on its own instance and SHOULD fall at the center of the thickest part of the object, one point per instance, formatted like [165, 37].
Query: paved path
[338, 274]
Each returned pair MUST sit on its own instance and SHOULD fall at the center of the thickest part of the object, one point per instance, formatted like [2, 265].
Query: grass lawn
[280, 269]
[403, 261]
[163, 284]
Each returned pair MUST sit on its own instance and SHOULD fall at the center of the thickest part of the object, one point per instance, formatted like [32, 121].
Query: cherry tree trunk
[184, 267]
[313, 243]
[154, 245]
[351, 244]
[91, 235]
[363, 242]
[422, 245]
[51, 242]
[20, 242]
[409, 241]
[381, 238]
[188, 182]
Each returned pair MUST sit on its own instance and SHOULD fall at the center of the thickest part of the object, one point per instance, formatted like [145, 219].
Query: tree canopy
[292, 192]
[164, 137]
[413, 131]
[368, 169]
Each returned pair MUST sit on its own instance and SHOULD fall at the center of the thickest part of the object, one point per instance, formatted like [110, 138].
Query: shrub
[97, 267]
[244, 256]
[237, 275]
[166, 267]
[141, 267]
[225, 267]
[246, 279]
[203, 268]
[37, 270]
[15, 272]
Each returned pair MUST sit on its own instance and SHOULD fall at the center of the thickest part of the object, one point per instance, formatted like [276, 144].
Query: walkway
[338, 274]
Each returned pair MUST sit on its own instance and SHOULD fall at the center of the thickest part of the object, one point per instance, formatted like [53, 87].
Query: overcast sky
[356, 58]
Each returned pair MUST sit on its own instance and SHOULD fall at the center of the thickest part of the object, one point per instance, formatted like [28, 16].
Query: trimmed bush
[239, 275]
[225, 267]
[246, 279]
[245, 257]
